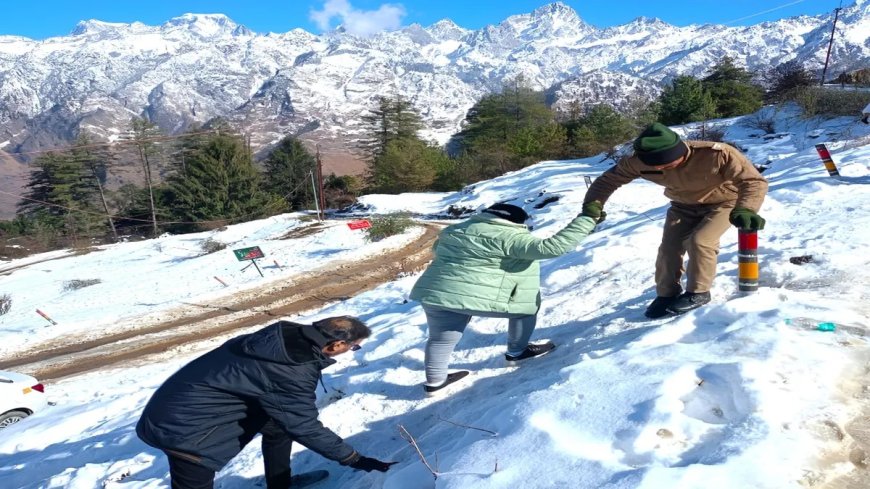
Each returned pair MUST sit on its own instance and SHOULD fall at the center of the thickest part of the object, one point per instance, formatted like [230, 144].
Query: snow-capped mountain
[197, 67]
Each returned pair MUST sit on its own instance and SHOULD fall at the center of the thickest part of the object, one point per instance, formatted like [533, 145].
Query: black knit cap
[508, 211]
[658, 145]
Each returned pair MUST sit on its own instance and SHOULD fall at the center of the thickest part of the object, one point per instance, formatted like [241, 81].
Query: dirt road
[197, 322]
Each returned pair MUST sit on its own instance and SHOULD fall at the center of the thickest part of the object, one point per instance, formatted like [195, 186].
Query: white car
[20, 396]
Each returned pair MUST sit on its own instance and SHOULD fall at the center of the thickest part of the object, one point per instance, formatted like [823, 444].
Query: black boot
[689, 301]
[451, 378]
[658, 308]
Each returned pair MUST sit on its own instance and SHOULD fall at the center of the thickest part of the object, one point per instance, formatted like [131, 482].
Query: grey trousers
[445, 330]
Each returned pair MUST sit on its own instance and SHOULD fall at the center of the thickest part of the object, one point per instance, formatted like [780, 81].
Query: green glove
[594, 209]
[746, 219]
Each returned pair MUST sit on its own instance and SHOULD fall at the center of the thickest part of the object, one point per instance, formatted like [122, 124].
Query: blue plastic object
[826, 327]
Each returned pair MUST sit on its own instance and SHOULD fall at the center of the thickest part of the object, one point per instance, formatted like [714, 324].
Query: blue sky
[39, 19]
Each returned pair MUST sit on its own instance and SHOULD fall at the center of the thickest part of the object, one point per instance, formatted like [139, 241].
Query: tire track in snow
[333, 282]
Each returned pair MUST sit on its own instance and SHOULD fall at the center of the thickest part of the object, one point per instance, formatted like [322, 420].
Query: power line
[149, 221]
[61, 149]
[765, 11]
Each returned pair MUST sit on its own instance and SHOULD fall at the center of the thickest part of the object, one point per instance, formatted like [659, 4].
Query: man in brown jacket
[710, 184]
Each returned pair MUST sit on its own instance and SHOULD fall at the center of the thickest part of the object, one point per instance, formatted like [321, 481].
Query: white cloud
[359, 22]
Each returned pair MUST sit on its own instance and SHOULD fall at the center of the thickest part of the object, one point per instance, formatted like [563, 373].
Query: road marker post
[45, 316]
[825, 155]
[747, 257]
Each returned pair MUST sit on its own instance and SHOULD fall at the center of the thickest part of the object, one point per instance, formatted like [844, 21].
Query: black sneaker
[529, 352]
[689, 301]
[451, 378]
[658, 308]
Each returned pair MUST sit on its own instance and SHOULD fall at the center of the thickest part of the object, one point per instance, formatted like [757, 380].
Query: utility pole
[316, 200]
[320, 180]
[831, 43]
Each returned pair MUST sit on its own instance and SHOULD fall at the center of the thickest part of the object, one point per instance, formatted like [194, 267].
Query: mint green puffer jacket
[490, 264]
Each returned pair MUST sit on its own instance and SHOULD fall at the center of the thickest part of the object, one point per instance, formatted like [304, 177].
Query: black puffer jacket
[211, 408]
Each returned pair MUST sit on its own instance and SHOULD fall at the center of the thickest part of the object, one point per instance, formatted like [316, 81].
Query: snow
[443, 69]
[744, 392]
[162, 274]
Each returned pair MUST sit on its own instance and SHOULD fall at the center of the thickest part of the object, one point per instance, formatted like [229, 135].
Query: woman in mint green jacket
[487, 266]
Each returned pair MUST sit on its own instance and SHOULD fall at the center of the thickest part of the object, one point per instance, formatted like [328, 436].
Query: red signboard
[363, 224]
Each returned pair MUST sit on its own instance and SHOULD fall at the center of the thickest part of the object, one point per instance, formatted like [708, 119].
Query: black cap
[509, 212]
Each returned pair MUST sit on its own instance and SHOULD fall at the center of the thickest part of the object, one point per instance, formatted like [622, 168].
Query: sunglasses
[354, 347]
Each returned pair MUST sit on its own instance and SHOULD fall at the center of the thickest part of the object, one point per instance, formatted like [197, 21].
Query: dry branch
[410, 439]
[493, 433]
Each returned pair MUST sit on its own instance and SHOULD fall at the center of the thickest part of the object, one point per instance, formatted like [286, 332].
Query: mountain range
[196, 67]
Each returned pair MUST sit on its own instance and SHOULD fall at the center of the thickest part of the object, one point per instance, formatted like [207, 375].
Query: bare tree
[96, 159]
[143, 133]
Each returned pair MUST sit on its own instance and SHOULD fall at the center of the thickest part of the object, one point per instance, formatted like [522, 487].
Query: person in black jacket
[263, 382]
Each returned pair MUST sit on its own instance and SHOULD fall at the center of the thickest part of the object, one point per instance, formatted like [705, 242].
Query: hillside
[743, 392]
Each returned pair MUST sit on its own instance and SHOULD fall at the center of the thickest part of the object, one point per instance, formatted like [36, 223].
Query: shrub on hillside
[858, 77]
[340, 191]
[5, 303]
[210, 245]
[830, 102]
[706, 132]
[80, 284]
[388, 225]
[762, 120]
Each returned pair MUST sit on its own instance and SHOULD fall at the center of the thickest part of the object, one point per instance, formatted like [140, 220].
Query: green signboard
[251, 253]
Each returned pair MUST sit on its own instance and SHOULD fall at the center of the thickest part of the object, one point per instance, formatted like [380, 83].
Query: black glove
[594, 210]
[370, 464]
[866, 119]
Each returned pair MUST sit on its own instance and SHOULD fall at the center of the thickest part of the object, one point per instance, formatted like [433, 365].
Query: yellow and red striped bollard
[825, 155]
[747, 258]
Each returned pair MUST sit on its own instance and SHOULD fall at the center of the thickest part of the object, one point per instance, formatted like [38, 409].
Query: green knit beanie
[658, 145]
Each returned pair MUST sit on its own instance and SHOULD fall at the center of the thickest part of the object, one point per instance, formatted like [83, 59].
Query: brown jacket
[714, 173]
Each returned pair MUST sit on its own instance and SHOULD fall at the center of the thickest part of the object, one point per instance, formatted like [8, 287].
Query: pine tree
[598, 131]
[685, 100]
[398, 160]
[787, 78]
[287, 173]
[220, 184]
[60, 195]
[732, 89]
[407, 165]
[392, 118]
[511, 129]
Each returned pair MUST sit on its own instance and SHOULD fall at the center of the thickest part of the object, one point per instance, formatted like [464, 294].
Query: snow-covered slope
[744, 392]
[181, 272]
[199, 66]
